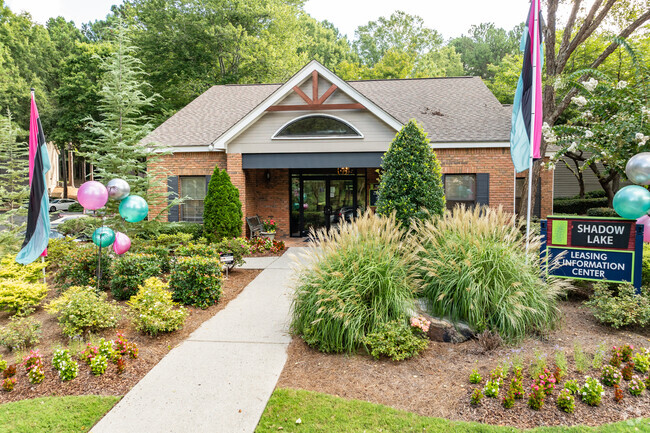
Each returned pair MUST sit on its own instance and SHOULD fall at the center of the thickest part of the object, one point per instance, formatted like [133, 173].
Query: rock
[443, 330]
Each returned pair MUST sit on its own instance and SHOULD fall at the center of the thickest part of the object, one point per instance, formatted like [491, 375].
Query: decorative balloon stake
[93, 195]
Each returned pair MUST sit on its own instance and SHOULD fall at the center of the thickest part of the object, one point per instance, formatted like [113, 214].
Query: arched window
[317, 126]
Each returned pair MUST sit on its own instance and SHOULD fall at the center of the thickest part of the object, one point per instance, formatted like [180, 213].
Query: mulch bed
[152, 349]
[436, 382]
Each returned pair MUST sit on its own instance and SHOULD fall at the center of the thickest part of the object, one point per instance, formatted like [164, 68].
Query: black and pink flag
[38, 218]
[526, 132]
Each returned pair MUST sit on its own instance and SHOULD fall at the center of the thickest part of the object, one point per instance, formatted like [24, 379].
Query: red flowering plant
[270, 225]
[33, 363]
[9, 383]
[545, 381]
[89, 353]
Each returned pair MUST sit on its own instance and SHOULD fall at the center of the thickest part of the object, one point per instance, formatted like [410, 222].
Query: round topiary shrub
[196, 281]
[356, 279]
[474, 269]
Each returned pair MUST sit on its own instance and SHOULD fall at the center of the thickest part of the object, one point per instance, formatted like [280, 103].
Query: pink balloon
[122, 243]
[645, 222]
[92, 195]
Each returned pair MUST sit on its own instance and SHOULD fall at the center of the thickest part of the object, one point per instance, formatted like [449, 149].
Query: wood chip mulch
[436, 382]
[152, 349]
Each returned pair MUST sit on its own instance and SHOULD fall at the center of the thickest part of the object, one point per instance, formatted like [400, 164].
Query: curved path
[221, 377]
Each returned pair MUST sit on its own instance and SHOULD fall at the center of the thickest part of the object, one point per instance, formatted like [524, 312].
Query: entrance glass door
[324, 199]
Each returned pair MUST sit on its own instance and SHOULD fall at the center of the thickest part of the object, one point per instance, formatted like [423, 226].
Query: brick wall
[181, 164]
[270, 199]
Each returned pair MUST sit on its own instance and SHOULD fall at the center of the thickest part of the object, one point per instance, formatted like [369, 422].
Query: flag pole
[532, 120]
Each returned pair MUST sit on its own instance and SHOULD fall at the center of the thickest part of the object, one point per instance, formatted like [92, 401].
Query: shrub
[161, 254]
[477, 396]
[636, 386]
[20, 333]
[517, 386]
[152, 229]
[475, 377]
[153, 309]
[238, 247]
[473, 269]
[222, 213]
[196, 281]
[618, 394]
[592, 392]
[509, 400]
[17, 295]
[80, 226]
[578, 206]
[65, 365]
[491, 388]
[193, 250]
[642, 361]
[10, 371]
[627, 371]
[79, 268]
[566, 402]
[3, 364]
[356, 279]
[75, 207]
[602, 212]
[536, 398]
[10, 270]
[57, 251]
[130, 271]
[411, 179]
[610, 376]
[80, 310]
[620, 309]
[172, 241]
[8, 384]
[36, 374]
[395, 340]
[98, 365]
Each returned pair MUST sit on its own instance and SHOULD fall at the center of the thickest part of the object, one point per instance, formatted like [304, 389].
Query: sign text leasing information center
[598, 249]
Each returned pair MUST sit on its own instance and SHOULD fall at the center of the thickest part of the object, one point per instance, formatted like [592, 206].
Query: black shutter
[172, 189]
[483, 189]
[207, 183]
[538, 202]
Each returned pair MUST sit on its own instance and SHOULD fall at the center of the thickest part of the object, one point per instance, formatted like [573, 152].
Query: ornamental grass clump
[473, 267]
[355, 279]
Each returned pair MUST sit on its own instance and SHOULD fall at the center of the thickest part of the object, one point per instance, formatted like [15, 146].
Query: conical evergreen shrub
[222, 214]
[411, 179]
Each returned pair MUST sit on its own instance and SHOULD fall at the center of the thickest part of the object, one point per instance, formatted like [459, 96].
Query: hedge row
[578, 206]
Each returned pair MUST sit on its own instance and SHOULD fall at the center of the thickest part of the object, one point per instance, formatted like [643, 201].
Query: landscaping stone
[443, 330]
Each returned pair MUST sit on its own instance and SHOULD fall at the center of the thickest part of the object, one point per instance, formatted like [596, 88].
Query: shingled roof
[458, 109]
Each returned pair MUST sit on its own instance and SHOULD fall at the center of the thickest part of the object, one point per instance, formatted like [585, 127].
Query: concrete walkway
[221, 377]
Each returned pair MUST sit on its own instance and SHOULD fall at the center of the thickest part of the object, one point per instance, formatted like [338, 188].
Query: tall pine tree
[115, 151]
[14, 185]
[222, 214]
[411, 179]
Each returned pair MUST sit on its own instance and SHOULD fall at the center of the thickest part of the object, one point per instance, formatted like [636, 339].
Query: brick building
[307, 152]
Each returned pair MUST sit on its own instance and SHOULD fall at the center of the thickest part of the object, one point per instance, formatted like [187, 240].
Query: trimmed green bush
[222, 214]
[473, 269]
[152, 229]
[411, 179]
[196, 281]
[17, 295]
[75, 207]
[161, 253]
[577, 206]
[395, 340]
[356, 279]
[617, 305]
[10, 270]
[602, 212]
[172, 241]
[81, 310]
[57, 250]
[193, 250]
[154, 311]
[79, 268]
[130, 271]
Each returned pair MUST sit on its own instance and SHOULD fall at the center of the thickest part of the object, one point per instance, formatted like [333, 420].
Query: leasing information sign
[600, 249]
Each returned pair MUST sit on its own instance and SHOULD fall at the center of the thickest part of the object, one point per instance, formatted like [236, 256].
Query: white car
[61, 204]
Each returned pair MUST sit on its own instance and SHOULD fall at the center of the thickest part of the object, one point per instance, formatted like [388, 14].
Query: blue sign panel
[615, 266]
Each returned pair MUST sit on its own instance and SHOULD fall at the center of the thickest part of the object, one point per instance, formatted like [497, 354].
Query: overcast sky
[451, 18]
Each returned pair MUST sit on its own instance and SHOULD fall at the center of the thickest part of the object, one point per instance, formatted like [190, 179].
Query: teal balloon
[104, 237]
[632, 202]
[134, 208]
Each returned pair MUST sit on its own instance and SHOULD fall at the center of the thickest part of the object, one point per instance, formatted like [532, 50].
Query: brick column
[547, 178]
[238, 178]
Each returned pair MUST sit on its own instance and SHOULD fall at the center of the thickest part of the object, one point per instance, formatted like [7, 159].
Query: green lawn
[54, 414]
[325, 413]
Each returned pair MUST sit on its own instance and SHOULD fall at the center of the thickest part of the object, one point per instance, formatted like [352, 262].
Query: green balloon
[104, 237]
[134, 208]
[632, 202]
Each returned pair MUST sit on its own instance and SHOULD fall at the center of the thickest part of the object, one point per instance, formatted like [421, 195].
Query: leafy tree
[411, 179]
[504, 77]
[583, 23]
[444, 62]
[486, 45]
[222, 213]
[324, 43]
[400, 32]
[14, 186]
[114, 150]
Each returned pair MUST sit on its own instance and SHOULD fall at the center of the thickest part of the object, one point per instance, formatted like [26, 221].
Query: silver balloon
[638, 168]
[118, 189]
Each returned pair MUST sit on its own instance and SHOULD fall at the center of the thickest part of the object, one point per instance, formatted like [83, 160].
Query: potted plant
[269, 229]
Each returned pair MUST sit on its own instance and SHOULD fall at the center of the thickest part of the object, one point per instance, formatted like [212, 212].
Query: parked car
[61, 204]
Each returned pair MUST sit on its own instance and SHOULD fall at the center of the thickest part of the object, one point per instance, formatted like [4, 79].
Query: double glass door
[322, 201]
